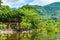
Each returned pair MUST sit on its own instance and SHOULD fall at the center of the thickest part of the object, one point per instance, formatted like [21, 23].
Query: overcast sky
[19, 3]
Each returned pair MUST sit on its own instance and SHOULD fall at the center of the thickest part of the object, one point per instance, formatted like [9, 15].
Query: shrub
[3, 26]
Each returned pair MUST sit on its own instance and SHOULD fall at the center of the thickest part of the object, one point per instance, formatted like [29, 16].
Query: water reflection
[12, 35]
[5, 33]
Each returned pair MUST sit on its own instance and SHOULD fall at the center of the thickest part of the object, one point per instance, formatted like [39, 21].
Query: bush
[3, 26]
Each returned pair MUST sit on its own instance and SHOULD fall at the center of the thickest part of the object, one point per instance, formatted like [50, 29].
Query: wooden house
[11, 23]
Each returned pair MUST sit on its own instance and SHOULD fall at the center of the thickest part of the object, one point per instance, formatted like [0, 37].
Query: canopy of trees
[31, 20]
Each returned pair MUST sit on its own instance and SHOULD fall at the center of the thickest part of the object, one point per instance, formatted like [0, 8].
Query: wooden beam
[9, 27]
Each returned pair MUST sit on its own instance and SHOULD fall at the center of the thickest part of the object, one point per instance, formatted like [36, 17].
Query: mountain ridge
[52, 10]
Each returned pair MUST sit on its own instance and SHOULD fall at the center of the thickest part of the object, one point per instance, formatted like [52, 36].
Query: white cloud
[19, 3]
[12, 3]
[43, 2]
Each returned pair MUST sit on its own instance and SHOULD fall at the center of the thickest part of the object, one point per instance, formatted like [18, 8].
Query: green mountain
[40, 9]
[51, 11]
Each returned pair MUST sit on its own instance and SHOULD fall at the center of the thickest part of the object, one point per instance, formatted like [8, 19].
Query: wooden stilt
[9, 27]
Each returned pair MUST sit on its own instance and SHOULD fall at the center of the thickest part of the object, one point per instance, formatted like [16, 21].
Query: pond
[27, 36]
[12, 35]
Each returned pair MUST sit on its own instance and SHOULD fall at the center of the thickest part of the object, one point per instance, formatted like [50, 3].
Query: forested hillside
[35, 18]
[52, 11]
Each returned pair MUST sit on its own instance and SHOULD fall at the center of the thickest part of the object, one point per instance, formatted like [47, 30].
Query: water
[24, 36]
[12, 35]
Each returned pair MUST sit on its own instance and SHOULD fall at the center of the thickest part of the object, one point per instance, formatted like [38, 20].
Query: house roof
[9, 20]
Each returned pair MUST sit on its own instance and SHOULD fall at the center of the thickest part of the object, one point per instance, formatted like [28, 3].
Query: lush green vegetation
[3, 37]
[3, 26]
[29, 18]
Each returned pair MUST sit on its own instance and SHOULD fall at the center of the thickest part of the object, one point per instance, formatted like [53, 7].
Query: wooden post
[18, 33]
[9, 27]
[18, 27]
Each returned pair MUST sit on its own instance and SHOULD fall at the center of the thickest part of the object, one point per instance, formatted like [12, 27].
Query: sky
[19, 3]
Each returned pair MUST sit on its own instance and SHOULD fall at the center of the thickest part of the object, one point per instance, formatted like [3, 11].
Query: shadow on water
[9, 35]
[12, 35]
[22, 36]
